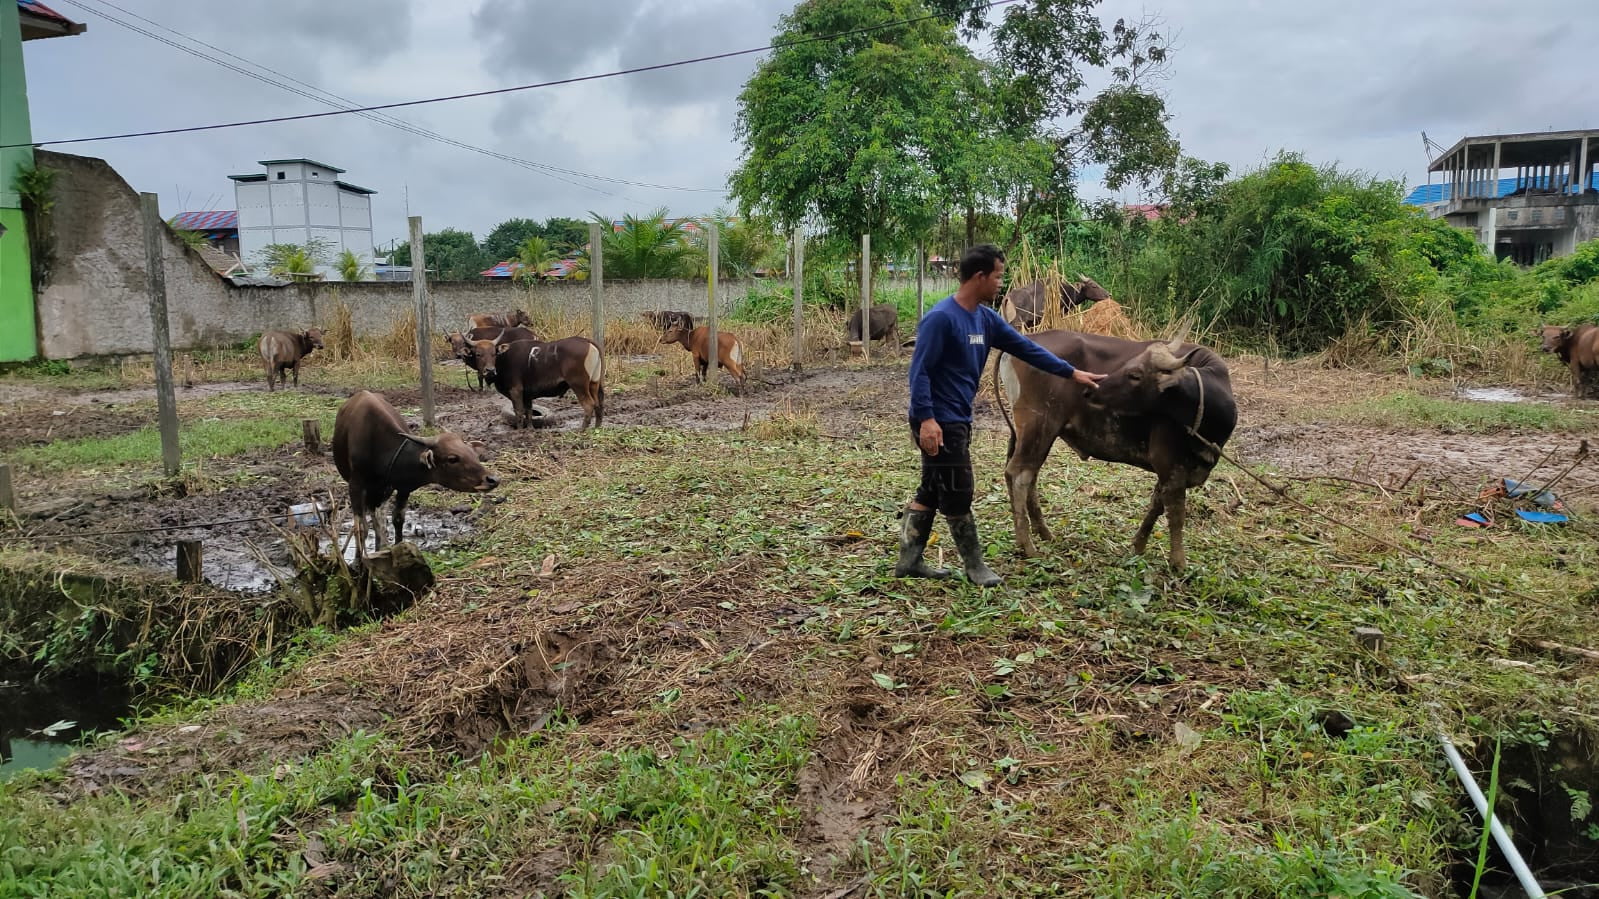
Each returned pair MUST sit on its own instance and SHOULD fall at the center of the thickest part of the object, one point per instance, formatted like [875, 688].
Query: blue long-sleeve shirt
[952, 349]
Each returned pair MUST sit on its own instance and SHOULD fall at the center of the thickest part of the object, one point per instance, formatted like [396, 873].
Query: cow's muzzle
[489, 483]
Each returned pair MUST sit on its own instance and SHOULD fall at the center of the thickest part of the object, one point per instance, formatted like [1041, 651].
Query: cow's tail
[1004, 409]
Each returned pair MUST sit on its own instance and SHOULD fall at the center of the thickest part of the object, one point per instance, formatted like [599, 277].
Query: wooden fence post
[597, 283]
[424, 318]
[866, 297]
[190, 561]
[921, 272]
[713, 249]
[156, 281]
[799, 300]
[8, 497]
[311, 429]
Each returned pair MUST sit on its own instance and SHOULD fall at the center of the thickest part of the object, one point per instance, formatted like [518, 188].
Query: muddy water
[1508, 395]
[40, 723]
[253, 561]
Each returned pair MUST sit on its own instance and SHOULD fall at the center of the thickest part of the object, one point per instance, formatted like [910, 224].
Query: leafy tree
[645, 247]
[857, 131]
[566, 235]
[744, 246]
[452, 255]
[351, 268]
[502, 242]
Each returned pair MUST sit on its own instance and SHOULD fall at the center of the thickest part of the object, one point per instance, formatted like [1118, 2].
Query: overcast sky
[1354, 81]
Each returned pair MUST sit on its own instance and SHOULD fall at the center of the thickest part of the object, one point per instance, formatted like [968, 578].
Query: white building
[299, 200]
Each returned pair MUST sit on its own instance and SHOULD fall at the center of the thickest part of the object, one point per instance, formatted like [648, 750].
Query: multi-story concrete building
[1545, 206]
[297, 201]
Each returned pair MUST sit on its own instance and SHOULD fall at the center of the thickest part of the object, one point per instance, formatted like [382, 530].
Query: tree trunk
[971, 226]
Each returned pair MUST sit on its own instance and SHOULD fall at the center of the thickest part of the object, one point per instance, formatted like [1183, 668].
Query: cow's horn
[429, 442]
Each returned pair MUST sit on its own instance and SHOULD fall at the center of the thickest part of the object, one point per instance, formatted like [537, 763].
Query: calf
[498, 319]
[525, 370]
[1577, 347]
[283, 350]
[377, 455]
[729, 354]
[885, 325]
[669, 321]
[1146, 413]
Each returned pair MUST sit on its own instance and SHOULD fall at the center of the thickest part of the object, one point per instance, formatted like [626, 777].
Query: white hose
[1506, 846]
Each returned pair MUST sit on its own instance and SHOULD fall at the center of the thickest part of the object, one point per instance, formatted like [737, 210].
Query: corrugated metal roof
[40, 21]
[42, 11]
[510, 267]
[210, 220]
[332, 168]
[1428, 194]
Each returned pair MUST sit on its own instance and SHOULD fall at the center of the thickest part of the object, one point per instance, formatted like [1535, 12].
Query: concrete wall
[96, 303]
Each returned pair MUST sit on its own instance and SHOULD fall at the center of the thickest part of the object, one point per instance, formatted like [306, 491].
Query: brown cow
[885, 325]
[1024, 306]
[1577, 347]
[377, 455]
[283, 350]
[525, 370]
[476, 349]
[498, 319]
[729, 354]
[1141, 414]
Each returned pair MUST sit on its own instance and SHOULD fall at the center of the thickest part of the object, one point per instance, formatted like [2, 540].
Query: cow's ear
[503, 348]
[427, 458]
[1166, 380]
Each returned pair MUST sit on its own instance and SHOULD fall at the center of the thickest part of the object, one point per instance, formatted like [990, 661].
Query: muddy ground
[1274, 430]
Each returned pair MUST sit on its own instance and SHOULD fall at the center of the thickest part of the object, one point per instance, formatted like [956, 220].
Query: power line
[347, 104]
[731, 54]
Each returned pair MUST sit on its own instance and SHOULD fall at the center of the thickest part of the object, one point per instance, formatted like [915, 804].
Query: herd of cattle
[1166, 406]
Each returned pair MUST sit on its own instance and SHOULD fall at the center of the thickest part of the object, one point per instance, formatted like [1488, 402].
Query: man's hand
[931, 437]
[1087, 378]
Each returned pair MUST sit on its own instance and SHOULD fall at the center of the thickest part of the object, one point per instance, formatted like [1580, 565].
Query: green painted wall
[17, 338]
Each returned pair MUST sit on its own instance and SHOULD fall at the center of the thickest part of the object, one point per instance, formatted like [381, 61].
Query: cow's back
[365, 426]
[1585, 346]
[279, 346]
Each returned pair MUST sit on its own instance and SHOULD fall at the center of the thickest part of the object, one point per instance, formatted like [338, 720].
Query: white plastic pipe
[1513, 856]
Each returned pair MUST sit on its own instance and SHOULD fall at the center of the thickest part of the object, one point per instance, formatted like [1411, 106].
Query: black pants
[947, 482]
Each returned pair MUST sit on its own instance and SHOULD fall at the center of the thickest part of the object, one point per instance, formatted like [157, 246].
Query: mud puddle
[257, 559]
[41, 722]
[1508, 395]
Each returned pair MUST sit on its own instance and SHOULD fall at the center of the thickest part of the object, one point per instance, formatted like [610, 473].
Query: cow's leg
[358, 513]
[519, 413]
[399, 516]
[1176, 512]
[1021, 481]
[296, 374]
[1157, 505]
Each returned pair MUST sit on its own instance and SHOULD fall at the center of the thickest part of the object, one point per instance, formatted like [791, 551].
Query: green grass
[1409, 410]
[214, 428]
[1029, 732]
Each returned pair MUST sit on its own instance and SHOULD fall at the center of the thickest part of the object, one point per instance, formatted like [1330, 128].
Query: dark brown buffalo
[498, 319]
[283, 350]
[885, 325]
[1577, 347]
[525, 370]
[1023, 306]
[477, 347]
[729, 352]
[669, 321]
[377, 455]
[1141, 415]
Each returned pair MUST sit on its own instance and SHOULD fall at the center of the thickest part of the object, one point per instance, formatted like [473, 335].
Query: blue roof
[1426, 194]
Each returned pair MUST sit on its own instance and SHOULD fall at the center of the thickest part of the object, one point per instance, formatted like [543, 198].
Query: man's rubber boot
[964, 529]
[914, 532]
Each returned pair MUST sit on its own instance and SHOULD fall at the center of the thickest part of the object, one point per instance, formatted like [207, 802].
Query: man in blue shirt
[952, 344]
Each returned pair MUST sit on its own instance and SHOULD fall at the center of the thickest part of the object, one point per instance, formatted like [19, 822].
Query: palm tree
[744, 246]
[351, 268]
[537, 257]
[645, 247]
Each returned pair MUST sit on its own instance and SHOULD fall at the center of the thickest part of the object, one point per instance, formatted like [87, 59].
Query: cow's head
[459, 345]
[518, 317]
[1137, 386]
[454, 464]
[675, 333]
[483, 354]
[1554, 338]
[312, 339]
[1090, 291]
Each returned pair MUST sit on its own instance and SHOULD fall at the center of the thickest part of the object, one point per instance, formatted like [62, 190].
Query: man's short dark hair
[980, 260]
